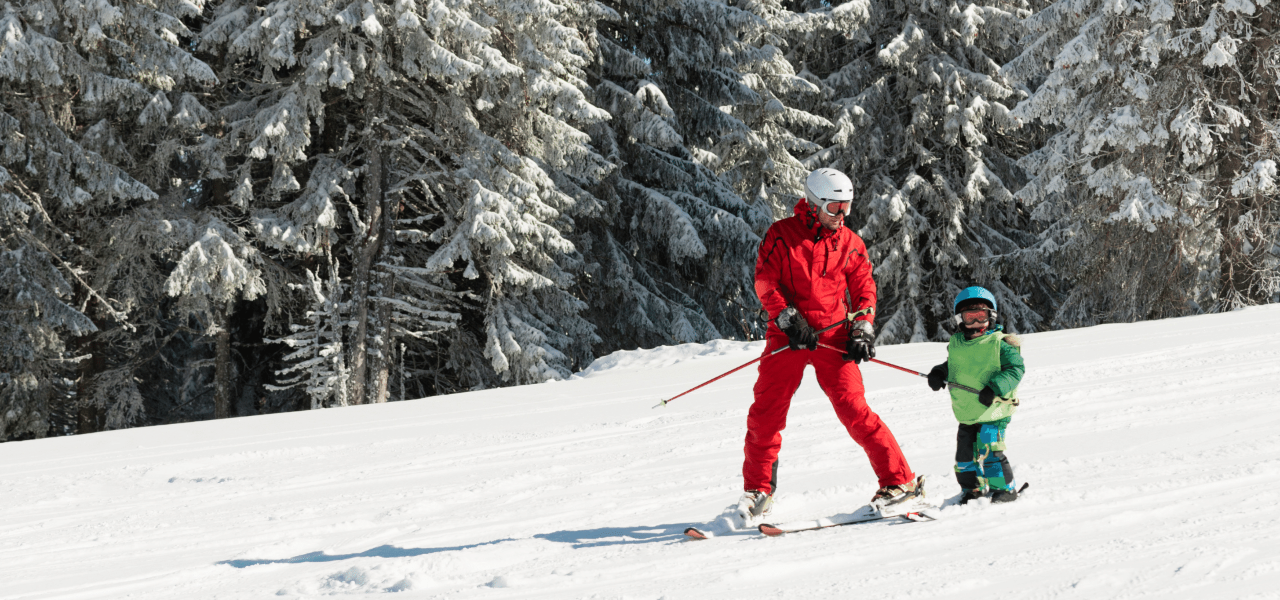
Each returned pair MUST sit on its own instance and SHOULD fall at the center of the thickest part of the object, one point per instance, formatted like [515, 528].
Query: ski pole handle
[962, 387]
[870, 310]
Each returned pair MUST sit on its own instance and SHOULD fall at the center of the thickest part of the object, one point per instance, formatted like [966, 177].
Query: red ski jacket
[805, 265]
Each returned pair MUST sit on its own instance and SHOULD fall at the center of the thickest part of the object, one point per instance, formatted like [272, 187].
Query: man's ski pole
[906, 370]
[848, 318]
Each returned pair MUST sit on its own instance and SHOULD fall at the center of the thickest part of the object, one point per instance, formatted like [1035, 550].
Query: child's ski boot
[970, 495]
[1000, 496]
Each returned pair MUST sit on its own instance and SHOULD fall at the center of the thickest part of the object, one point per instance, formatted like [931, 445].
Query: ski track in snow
[1152, 449]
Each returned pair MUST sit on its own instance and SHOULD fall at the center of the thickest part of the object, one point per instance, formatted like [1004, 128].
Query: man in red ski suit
[812, 266]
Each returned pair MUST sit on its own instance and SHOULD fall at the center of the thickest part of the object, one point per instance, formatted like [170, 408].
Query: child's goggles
[975, 315]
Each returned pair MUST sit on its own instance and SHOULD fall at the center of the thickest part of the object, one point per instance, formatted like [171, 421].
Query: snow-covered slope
[1152, 449]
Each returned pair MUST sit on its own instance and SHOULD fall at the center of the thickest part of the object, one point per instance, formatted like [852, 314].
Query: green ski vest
[972, 363]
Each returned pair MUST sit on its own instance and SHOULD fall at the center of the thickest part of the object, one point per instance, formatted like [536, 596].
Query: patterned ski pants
[980, 460]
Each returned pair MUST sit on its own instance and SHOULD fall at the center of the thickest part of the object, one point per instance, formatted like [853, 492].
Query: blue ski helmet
[973, 293]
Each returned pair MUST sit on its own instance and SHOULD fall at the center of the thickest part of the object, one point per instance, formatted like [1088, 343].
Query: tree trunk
[366, 251]
[222, 376]
[1242, 274]
[380, 365]
[89, 415]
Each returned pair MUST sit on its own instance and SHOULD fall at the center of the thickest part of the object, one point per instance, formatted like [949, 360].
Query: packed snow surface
[1152, 450]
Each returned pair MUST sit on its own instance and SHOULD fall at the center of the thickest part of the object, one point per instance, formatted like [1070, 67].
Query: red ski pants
[780, 376]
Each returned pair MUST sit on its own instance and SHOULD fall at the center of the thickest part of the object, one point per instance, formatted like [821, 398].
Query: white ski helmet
[825, 186]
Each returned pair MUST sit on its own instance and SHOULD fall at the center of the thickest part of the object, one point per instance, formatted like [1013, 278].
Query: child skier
[981, 356]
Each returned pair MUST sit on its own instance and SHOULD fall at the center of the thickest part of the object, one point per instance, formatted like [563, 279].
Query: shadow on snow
[614, 536]
[379, 552]
[585, 538]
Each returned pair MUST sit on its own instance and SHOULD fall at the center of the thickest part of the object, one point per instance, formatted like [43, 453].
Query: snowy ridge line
[662, 356]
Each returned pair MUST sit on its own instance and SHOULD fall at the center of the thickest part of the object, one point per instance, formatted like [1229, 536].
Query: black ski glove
[986, 396]
[862, 342]
[938, 377]
[799, 333]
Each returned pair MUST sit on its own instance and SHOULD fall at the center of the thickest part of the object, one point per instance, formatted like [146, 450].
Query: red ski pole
[757, 359]
[906, 370]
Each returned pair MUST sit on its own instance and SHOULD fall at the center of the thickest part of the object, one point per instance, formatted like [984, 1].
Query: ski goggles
[975, 315]
[841, 207]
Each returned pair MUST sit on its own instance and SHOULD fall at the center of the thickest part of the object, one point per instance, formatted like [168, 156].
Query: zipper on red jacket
[817, 238]
[826, 255]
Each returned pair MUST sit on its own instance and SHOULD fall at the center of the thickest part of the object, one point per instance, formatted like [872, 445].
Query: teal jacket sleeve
[1011, 370]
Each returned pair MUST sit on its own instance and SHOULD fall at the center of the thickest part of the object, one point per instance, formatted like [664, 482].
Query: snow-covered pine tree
[75, 76]
[180, 263]
[217, 267]
[34, 375]
[318, 363]
[923, 127]
[1159, 187]
[303, 146]
[674, 247]
[765, 162]
[269, 167]
[452, 118]
[521, 162]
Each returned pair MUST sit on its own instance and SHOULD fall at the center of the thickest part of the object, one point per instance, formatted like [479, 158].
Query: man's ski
[866, 514]
[910, 507]
[695, 533]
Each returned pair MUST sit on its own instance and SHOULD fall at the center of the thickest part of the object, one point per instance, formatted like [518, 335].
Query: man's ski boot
[754, 504]
[892, 497]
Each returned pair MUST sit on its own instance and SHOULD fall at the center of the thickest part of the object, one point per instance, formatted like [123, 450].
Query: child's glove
[938, 377]
[799, 333]
[986, 396]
